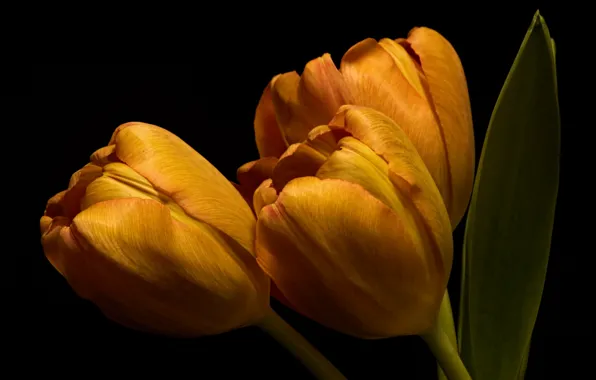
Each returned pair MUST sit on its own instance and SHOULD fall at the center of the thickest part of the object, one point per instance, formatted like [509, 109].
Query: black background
[72, 109]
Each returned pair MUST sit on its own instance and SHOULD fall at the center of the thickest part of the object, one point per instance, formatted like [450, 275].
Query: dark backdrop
[210, 104]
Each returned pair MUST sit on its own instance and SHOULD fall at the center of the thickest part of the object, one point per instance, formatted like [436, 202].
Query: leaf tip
[539, 25]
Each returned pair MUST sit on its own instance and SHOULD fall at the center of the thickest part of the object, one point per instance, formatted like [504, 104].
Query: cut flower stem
[298, 346]
[446, 354]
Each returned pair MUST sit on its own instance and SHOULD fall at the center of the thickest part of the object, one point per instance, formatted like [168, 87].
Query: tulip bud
[157, 238]
[353, 230]
[418, 82]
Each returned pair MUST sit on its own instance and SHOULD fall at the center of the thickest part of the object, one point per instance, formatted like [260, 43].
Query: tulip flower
[418, 82]
[352, 228]
[157, 238]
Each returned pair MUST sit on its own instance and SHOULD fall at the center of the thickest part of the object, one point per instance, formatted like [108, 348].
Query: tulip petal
[54, 205]
[323, 90]
[68, 203]
[246, 195]
[179, 172]
[104, 156]
[144, 268]
[405, 64]
[57, 241]
[304, 102]
[45, 224]
[346, 260]
[449, 92]
[356, 163]
[118, 181]
[264, 195]
[299, 160]
[292, 118]
[324, 139]
[252, 174]
[270, 141]
[371, 71]
[406, 171]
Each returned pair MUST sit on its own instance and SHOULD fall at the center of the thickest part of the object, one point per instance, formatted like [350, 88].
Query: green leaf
[511, 216]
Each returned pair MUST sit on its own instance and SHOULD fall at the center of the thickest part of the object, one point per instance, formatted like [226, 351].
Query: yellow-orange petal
[299, 160]
[44, 224]
[145, 269]
[304, 102]
[376, 81]
[407, 171]
[354, 162]
[57, 241]
[119, 181]
[84, 175]
[179, 172]
[252, 174]
[407, 66]
[270, 142]
[67, 203]
[449, 93]
[324, 139]
[54, 205]
[104, 156]
[264, 195]
[346, 260]
[245, 194]
[292, 118]
[322, 90]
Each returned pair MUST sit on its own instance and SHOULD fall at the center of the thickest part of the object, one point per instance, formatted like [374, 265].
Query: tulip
[157, 238]
[418, 82]
[352, 228]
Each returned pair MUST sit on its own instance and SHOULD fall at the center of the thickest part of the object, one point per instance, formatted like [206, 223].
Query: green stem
[446, 323]
[291, 339]
[446, 354]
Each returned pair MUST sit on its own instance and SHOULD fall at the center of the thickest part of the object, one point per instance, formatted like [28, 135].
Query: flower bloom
[352, 228]
[157, 238]
[418, 82]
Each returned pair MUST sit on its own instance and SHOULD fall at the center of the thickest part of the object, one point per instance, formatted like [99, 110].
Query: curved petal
[54, 205]
[292, 118]
[147, 270]
[323, 89]
[57, 241]
[346, 260]
[264, 195]
[45, 223]
[407, 66]
[299, 160]
[247, 197]
[252, 174]
[356, 163]
[119, 181]
[67, 203]
[304, 102]
[372, 71]
[179, 172]
[270, 141]
[449, 92]
[324, 139]
[104, 156]
[406, 171]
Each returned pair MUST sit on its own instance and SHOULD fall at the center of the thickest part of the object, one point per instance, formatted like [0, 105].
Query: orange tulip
[418, 82]
[157, 238]
[352, 228]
